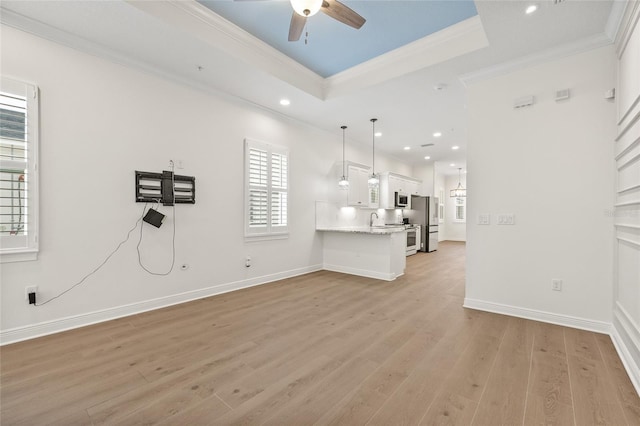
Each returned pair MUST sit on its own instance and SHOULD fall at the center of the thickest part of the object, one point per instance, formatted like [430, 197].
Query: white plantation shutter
[279, 175]
[258, 194]
[18, 168]
[266, 189]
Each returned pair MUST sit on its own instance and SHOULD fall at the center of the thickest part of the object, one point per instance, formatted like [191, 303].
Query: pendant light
[459, 191]
[343, 183]
[373, 179]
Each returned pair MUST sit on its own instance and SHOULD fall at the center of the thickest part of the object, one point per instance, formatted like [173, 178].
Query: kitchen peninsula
[374, 252]
[353, 242]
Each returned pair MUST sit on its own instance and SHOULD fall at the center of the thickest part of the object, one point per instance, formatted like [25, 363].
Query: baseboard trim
[626, 338]
[361, 272]
[28, 332]
[536, 315]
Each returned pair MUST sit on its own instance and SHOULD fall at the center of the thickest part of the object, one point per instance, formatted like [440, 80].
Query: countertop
[382, 230]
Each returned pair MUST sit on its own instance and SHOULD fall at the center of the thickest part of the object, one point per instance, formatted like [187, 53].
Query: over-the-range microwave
[402, 200]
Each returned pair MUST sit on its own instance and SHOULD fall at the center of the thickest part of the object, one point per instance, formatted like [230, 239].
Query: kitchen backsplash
[330, 215]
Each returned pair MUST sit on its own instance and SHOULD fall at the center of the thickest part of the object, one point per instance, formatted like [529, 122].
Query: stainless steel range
[413, 239]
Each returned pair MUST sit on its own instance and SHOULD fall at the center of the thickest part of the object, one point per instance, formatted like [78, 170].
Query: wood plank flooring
[326, 349]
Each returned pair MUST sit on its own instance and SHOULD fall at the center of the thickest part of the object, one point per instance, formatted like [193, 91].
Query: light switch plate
[506, 219]
[484, 219]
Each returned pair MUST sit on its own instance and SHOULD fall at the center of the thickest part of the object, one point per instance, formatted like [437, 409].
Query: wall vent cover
[523, 102]
[562, 95]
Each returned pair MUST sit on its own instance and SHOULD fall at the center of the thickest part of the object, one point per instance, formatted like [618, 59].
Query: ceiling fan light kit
[306, 8]
[302, 9]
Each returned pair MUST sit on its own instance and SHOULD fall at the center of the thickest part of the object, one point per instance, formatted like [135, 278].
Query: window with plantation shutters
[266, 190]
[18, 168]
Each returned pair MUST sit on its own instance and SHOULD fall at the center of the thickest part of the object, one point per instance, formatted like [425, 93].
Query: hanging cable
[173, 242]
[140, 222]
[103, 262]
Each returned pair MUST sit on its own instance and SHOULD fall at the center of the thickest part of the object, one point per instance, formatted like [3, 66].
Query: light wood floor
[323, 348]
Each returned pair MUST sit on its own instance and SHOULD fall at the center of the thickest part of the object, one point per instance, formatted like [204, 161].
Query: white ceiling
[185, 41]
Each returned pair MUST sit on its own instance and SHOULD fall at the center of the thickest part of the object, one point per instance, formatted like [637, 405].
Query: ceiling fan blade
[296, 27]
[342, 13]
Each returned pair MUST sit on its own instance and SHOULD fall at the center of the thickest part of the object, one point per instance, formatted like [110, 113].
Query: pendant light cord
[343, 128]
[373, 152]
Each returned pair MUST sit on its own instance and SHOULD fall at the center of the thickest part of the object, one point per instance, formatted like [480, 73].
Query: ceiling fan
[302, 9]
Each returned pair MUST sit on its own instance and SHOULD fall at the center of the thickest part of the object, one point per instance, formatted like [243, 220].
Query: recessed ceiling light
[531, 9]
[452, 165]
[427, 158]
[407, 148]
[455, 147]
[285, 102]
[378, 134]
[437, 134]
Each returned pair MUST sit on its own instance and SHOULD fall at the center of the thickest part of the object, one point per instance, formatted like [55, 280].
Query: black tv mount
[165, 187]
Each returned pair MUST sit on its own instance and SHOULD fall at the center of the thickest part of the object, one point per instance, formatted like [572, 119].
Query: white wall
[550, 165]
[99, 123]
[626, 294]
[425, 173]
[440, 191]
[455, 231]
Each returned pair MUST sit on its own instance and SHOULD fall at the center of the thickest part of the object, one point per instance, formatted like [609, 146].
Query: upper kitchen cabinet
[391, 183]
[358, 194]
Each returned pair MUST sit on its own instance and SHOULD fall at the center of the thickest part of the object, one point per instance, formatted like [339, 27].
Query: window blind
[18, 170]
[266, 189]
[258, 194]
[14, 176]
[279, 174]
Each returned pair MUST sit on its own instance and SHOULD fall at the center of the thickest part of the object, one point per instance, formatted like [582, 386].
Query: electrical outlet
[176, 164]
[556, 284]
[247, 262]
[30, 289]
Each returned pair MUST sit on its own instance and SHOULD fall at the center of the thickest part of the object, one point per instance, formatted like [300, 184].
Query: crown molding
[628, 21]
[195, 19]
[459, 39]
[562, 51]
[198, 21]
[612, 27]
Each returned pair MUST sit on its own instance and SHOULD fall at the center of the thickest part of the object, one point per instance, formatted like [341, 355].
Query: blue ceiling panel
[333, 47]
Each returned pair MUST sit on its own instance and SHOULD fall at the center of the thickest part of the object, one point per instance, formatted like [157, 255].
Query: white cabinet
[413, 187]
[358, 194]
[396, 184]
[391, 183]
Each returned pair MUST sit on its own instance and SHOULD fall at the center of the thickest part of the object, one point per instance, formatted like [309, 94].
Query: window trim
[441, 206]
[282, 232]
[462, 204]
[31, 92]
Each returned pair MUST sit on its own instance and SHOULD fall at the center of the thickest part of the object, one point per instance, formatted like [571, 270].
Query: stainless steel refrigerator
[424, 212]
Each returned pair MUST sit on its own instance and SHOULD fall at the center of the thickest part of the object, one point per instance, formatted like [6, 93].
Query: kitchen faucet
[371, 218]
